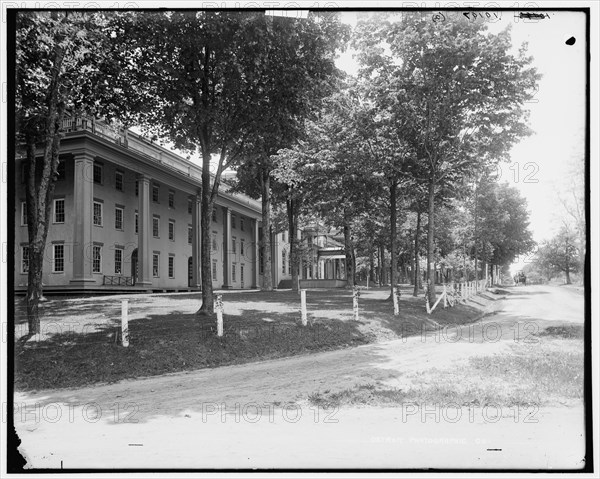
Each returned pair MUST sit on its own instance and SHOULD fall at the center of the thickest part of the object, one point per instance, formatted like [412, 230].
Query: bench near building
[126, 217]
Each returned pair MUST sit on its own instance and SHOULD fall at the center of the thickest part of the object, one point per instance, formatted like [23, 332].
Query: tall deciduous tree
[57, 58]
[219, 81]
[559, 255]
[461, 89]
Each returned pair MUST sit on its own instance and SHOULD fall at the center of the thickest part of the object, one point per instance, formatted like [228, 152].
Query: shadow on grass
[178, 341]
[162, 344]
[517, 291]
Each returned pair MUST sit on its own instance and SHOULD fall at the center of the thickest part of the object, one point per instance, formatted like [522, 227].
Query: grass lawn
[80, 343]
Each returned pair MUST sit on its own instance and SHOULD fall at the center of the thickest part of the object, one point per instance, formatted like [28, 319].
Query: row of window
[120, 180]
[58, 262]
[119, 185]
[59, 217]
[58, 211]
[233, 244]
[233, 271]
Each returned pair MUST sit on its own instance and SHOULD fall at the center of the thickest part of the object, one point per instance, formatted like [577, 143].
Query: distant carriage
[520, 278]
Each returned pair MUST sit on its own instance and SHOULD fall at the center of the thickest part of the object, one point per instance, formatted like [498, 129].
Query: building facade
[126, 217]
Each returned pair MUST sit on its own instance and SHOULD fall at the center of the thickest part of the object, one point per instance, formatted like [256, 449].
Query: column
[144, 253]
[226, 248]
[82, 235]
[274, 258]
[255, 279]
[196, 241]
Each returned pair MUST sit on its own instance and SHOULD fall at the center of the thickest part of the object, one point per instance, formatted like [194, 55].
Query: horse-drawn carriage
[520, 278]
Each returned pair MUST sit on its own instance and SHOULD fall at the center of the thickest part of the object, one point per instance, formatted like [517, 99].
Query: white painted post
[367, 282]
[219, 311]
[124, 324]
[463, 291]
[396, 300]
[355, 296]
[303, 306]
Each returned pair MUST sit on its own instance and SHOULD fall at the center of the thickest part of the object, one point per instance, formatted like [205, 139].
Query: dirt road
[258, 415]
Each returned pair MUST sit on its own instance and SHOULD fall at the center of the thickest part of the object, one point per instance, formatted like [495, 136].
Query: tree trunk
[372, 267]
[382, 265]
[379, 265]
[430, 233]
[206, 207]
[265, 183]
[476, 261]
[417, 271]
[40, 193]
[567, 269]
[349, 252]
[393, 242]
[293, 230]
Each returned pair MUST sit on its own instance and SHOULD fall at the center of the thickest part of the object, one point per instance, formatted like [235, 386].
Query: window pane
[97, 173]
[118, 261]
[25, 259]
[97, 214]
[96, 259]
[155, 264]
[59, 211]
[119, 181]
[119, 218]
[59, 258]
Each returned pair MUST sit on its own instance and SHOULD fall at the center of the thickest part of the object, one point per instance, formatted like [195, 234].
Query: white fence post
[355, 296]
[303, 306]
[396, 299]
[426, 288]
[219, 311]
[124, 324]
